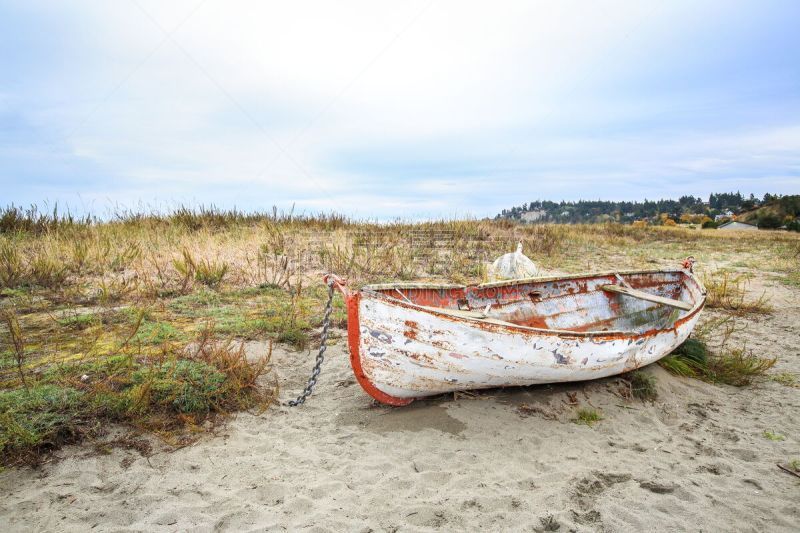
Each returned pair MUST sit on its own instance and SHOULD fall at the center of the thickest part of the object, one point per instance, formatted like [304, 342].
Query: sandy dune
[695, 460]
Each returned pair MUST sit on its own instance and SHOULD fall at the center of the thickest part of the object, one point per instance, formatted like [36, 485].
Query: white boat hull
[402, 350]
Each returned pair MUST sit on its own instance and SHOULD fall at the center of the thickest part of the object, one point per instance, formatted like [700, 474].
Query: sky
[384, 110]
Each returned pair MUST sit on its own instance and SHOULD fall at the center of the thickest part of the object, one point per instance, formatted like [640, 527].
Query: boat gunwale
[373, 291]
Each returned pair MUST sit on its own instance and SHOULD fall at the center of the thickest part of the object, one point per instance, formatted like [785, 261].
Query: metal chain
[326, 323]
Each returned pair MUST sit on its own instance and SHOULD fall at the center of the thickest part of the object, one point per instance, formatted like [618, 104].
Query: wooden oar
[633, 293]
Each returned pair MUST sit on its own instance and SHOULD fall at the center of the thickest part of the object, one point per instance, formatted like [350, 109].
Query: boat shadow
[555, 401]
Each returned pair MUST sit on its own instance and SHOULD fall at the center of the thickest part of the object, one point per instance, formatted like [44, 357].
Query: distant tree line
[783, 210]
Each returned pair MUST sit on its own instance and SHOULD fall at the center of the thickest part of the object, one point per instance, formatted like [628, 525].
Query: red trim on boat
[354, 340]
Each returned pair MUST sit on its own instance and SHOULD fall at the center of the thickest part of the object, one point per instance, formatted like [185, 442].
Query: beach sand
[694, 460]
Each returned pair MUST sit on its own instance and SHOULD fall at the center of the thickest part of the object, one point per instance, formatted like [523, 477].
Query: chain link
[326, 323]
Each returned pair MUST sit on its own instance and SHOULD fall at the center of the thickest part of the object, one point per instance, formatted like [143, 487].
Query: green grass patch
[688, 359]
[21, 292]
[261, 312]
[784, 378]
[182, 385]
[7, 360]
[95, 369]
[265, 289]
[770, 435]
[36, 418]
[155, 333]
[792, 279]
[258, 312]
[199, 299]
[587, 417]
[296, 337]
[736, 367]
[79, 321]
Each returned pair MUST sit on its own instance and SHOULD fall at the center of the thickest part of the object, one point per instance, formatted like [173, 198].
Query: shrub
[688, 359]
[241, 387]
[769, 221]
[678, 366]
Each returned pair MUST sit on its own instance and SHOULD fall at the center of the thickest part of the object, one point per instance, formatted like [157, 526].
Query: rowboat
[409, 341]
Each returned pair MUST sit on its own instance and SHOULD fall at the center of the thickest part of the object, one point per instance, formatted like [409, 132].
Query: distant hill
[779, 212]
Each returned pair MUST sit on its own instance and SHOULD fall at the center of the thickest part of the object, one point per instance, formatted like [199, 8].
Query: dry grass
[17, 343]
[729, 292]
[165, 253]
[643, 386]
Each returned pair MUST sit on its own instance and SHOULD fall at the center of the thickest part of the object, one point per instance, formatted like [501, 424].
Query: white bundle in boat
[513, 266]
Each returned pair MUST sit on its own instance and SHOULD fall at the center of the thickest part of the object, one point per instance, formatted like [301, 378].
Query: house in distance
[733, 224]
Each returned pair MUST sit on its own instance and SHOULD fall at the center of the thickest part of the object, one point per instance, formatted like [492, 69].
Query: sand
[694, 460]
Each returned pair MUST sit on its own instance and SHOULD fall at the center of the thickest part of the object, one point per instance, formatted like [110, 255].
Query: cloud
[395, 108]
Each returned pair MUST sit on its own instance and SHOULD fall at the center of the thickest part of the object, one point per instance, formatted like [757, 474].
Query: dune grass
[725, 364]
